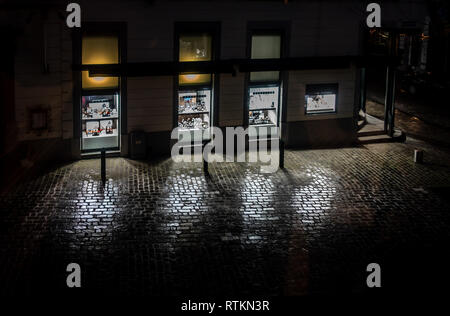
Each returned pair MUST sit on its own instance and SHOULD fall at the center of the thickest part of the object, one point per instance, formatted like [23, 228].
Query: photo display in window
[263, 98]
[100, 128]
[194, 109]
[190, 102]
[320, 98]
[100, 121]
[262, 117]
[193, 121]
[98, 107]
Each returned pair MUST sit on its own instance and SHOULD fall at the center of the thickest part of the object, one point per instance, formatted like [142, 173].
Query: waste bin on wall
[138, 145]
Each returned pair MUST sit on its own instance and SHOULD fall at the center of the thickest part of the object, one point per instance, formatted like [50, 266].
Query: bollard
[418, 156]
[103, 165]
[205, 166]
[281, 153]
[205, 160]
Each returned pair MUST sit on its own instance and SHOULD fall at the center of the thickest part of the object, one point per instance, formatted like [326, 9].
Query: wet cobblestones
[164, 228]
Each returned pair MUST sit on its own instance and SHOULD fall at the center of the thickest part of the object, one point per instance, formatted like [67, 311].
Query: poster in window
[196, 101]
[96, 107]
[263, 98]
[321, 98]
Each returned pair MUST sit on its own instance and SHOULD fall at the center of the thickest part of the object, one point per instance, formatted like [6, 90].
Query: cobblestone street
[162, 228]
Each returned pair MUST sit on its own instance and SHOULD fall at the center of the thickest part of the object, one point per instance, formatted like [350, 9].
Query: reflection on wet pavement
[165, 228]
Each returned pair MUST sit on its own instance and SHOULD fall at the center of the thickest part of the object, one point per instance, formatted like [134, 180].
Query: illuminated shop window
[195, 90]
[99, 50]
[263, 105]
[321, 98]
[100, 98]
[264, 86]
[195, 48]
[100, 121]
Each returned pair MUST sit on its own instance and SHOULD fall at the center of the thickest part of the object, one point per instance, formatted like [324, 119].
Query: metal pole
[205, 160]
[281, 153]
[389, 108]
[392, 108]
[386, 102]
[363, 90]
[103, 165]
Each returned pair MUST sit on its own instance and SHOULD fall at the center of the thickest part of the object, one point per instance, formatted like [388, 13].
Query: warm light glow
[424, 37]
[195, 48]
[98, 82]
[194, 78]
[99, 50]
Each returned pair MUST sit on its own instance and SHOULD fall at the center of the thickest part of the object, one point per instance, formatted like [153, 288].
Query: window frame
[118, 29]
[192, 28]
[281, 28]
[319, 87]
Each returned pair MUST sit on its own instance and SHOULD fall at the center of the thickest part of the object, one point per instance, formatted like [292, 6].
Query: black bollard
[103, 165]
[281, 153]
[205, 161]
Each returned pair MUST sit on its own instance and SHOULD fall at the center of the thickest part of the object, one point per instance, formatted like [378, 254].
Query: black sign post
[281, 153]
[205, 159]
[103, 165]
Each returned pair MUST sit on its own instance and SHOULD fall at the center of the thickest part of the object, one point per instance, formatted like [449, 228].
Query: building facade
[62, 108]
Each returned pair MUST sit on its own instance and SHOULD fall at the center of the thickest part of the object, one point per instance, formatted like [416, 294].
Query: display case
[321, 98]
[100, 121]
[194, 109]
[195, 90]
[263, 105]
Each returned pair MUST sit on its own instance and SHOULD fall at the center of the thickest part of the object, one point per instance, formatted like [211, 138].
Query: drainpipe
[424, 46]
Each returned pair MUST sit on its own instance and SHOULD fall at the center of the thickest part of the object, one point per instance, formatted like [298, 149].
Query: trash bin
[138, 145]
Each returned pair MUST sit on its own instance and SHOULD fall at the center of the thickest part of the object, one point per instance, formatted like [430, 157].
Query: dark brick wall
[320, 133]
[313, 133]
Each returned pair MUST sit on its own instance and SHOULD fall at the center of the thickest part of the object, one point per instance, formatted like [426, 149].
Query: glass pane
[194, 109]
[100, 134]
[263, 98]
[194, 79]
[99, 50]
[320, 103]
[262, 117]
[100, 121]
[99, 107]
[265, 76]
[196, 101]
[98, 82]
[321, 98]
[195, 47]
[263, 47]
[193, 121]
